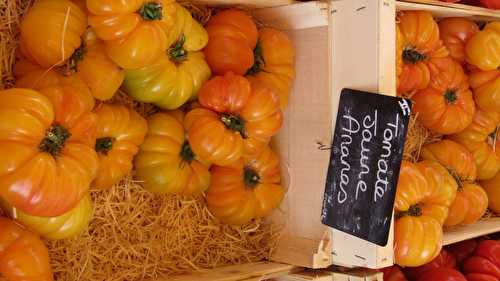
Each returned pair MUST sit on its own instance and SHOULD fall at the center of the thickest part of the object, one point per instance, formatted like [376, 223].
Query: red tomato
[480, 277]
[463, 250]
[485, 262]
[442, 274]
[393, 273]
[445, 259]
[492, 4]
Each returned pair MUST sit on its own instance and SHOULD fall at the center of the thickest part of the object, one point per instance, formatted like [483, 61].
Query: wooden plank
[252, 271]
[444, 9]
[245, 3]
[294, 17]
[356, 275]
[461, 233]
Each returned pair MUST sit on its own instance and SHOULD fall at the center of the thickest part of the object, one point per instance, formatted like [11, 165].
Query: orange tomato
[120, 132]
[165, 162]
[446, 106]
[232, 38]
[469, 206]
[455, 33]
[239, 114]
[420, 43]
[51, 31]
[476, 138]
[47, 144]
[492, 189]
[274, 58]
[486, 88]
[135, 32]
[424, 193]
[23, 256]
[483, 50]
[247, 189]
[453, 156]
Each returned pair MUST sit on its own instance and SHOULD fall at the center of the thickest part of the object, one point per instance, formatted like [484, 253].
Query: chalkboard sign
[364, 166]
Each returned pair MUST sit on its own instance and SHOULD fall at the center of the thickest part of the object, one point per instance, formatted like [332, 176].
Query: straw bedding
[137, 235]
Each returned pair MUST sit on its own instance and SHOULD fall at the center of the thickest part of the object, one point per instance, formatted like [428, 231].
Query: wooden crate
[343, 43]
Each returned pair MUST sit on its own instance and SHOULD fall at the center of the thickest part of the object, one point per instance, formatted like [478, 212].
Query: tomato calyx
[413, 211]
[54, 140]
[251, 177]
[176, 52]
[151, 11]
[450, 96]
[234, 123]
[259, 61]
[411, 55]
[187, 153]
[104, 145]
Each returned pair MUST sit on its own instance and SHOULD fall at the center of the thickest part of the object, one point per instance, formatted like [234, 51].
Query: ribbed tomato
[455, 33]
[446, 106]
[64, 226]
[274, 58]
[462, 250]
[393, 273]
[248, 189]
[486, 88]
[492, 188]
[23, 256]
[120, 132]
[177, 75]
[51, 31]
[484, 265]
[491, 4]
[476, 138]
[443, 274]
[444, 259]
[455, 157]
[421, 43]
[469, 206]
[418, 230]
[165, 162]
[483, 49]
[47, 147]
[135, 32]
[232, 39]
[241, 118]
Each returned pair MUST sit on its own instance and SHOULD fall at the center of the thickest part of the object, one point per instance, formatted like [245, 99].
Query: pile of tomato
[491, 4]
[471, 260]
[451, 71]
[219, 91]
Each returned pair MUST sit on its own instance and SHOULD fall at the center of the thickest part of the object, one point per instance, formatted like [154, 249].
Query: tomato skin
[463, 250]
[165, 162]
[127, 130]
[22, 254]
[48, 183]
[455, 33]
[232, 200]
[131, 40]
[65, 226]
[469, 206]
[492, 188]
[483, 50]
[480, 277]
[491, 4]
[275, 65]
[418, 50]
[485, 261]
[486, 88]
[444, 259]
[45, 26]
[232, 39]
[393, 273]
[442, 274]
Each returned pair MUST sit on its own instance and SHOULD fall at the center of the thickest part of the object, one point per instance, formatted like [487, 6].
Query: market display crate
[339, 44]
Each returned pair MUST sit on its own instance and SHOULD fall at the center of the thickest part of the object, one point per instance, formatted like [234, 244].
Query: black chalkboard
[364, 166]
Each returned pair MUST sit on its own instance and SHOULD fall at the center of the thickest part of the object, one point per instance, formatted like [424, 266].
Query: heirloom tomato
[393, 273]
[486, 88]
[454, 156]
[120, 131]
[51, 31]
[274, 58]
[483, 49]
[484, 265]
[165, 162]
[443, 274]
[421, 43]
[47, 147]
[232, 40]
[248, 189]
[23, 256]
[444, 259]
[64, 226]
[492, 188]
[469, 206]
[455, 33]
[135, 32]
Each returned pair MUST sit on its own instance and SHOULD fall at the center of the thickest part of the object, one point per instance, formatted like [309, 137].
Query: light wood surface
[465, 232]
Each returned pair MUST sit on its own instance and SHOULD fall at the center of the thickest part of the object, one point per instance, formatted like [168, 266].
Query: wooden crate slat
[443, 9]
[465, 232]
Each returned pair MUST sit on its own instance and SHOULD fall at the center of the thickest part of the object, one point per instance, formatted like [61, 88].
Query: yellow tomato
[64, 226]
[492, 188]
[483, 50]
